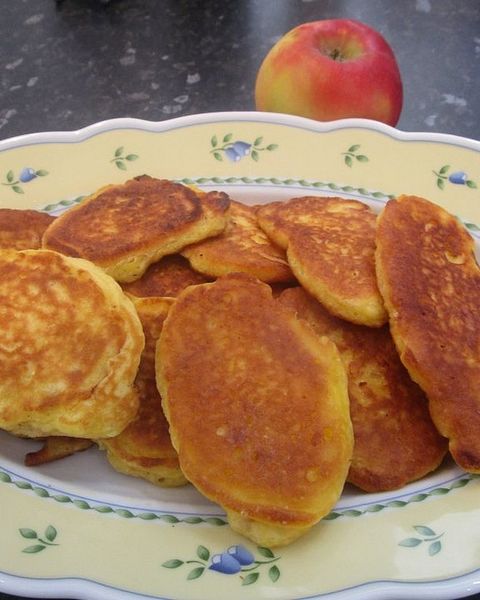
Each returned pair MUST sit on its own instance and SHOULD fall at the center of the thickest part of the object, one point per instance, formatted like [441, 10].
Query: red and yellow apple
[331, 69]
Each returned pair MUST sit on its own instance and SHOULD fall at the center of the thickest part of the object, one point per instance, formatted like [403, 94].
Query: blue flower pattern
[26, 175]
[232, 560]
[236, 150]
[236, 559]
[457, 178]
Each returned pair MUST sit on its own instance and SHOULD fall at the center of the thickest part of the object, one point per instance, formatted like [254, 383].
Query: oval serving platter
[78, 528]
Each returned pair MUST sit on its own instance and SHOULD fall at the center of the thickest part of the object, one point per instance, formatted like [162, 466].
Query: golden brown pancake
[330, 245]
[165, 278]
[70, 345]
[22, 229]
[55, 448]
[257, 405]
[430, 281]
[144, 448]
[242, 248]
[395, 439]
[124, 228]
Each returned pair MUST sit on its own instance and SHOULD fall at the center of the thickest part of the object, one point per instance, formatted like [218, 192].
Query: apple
[331, 69]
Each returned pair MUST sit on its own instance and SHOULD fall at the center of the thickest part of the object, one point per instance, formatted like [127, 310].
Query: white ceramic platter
[76, 528]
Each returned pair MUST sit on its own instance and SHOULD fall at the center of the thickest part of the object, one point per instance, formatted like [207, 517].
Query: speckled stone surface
[65, 65]
[68, 64]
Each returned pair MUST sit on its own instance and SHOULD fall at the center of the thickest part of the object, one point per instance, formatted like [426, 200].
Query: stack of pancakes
[265, 354]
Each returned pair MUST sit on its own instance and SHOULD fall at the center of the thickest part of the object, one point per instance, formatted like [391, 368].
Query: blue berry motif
[235, 150]
[236, 559]
[231, 154]
[225, 563]
[240, 553]
[457, 177]
[242, 148]
[26, 175]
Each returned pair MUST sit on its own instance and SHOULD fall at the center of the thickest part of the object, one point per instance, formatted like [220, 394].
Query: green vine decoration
[316, 185]
[63, 204]
[103, 508]
[374, 508]
[287, 182]
[219, 521]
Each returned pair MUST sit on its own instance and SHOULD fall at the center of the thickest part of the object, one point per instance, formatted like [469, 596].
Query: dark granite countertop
[67, 64]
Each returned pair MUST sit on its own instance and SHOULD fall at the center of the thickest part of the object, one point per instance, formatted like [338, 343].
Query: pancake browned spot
[330, 245]
[22, 229]
[143, 449]
[242, 247]
[70, 345]
[396, 441]
[430, 281]
[257, 405]
[124, 228]
[165, 278]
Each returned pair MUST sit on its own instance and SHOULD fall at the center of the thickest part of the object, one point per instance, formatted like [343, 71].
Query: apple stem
[335, 54]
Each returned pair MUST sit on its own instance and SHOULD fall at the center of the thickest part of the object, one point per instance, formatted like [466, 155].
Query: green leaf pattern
[427, 536]
[120, 159]
[352, 155]
[48, 538]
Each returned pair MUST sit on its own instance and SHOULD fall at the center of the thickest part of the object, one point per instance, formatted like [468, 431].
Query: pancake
[330, 244]
[22, 229]
[430, 281]
[242, 247]
[257, 405]
[125, 228]
[165, 278]
[396, 441]
[70, 345]
[143, 449]
[54, 448]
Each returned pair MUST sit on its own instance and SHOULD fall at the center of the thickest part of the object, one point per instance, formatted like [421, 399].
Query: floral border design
[327, 186]
[316, 185]
[26, 175]
[219, 521]
[457, 177]
[235, 560]
[374, 508]
[235, 149]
